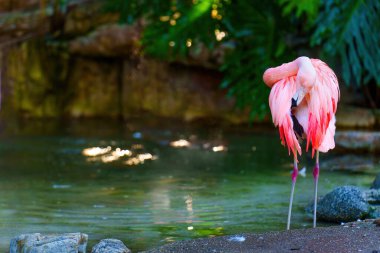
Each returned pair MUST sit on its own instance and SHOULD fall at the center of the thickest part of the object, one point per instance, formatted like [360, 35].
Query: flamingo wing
[280, 105]
[322, 105]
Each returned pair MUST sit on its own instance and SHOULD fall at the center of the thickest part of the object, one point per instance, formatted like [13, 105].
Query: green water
[48, 185]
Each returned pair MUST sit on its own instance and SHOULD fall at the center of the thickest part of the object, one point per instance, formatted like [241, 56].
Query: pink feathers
[314, 90]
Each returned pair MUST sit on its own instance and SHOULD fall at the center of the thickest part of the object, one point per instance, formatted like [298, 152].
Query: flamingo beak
[298, 96]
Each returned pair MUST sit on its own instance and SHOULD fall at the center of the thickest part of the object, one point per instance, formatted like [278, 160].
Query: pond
[147, 190]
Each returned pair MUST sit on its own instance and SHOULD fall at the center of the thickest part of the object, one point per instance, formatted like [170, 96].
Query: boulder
[110, 246]
[49, 243]
[343, 204]
[108, 41]
[351, 163]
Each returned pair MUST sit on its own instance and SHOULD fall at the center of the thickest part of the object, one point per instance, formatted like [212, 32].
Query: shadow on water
[223, 181]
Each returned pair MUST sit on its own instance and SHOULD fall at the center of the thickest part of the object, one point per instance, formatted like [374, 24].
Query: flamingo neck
[273, 75]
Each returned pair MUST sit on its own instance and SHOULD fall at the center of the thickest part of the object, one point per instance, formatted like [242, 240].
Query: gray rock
[372, 196]
[376, 182]
[51, 243]
[346, 203]
[351, 163]
[110, 246]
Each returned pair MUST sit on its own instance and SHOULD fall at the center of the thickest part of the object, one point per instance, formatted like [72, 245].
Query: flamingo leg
[316, 176]
[294, 179]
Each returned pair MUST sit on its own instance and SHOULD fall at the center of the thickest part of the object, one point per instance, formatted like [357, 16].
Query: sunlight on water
[181, 183]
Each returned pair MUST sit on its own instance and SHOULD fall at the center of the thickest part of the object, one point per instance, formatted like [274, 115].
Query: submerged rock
[51, 243]
[352, 163]
[346, 203]
[358, 141]
[110, 246]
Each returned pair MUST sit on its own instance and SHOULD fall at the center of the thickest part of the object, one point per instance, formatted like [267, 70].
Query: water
[48, 185]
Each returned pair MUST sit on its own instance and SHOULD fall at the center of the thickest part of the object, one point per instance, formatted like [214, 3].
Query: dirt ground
[361, 236]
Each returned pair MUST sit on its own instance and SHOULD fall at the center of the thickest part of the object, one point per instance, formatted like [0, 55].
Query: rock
[376, 182]
[352, 163]
[343, 204]
[110, 246]
[13, 5]
[358, 141]
[16, 27]
[21, 20]
[50, 243]
[354, 117]
[372, 196]
[113, 87]
[175, 91]
[86, 18]
[94, 89]
[108, 41]
[33, 88]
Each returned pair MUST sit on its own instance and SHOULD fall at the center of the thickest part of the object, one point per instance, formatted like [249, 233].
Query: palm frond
[259, 39]
[351, 29]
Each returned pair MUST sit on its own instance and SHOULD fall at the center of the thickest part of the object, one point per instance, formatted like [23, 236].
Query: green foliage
[131, 10]
[308, 7]
[351, 29]
[258, 36]
[170, 31]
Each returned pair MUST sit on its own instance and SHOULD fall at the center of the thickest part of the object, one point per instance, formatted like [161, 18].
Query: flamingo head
[305, 80]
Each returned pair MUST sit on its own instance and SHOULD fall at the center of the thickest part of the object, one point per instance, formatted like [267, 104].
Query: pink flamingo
[303, 101]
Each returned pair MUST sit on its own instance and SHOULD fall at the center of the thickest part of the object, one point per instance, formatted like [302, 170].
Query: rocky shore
[360, 236]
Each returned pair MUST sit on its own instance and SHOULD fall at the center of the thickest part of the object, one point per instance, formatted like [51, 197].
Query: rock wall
[87, 65]
[33, 80]
[79, 62]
